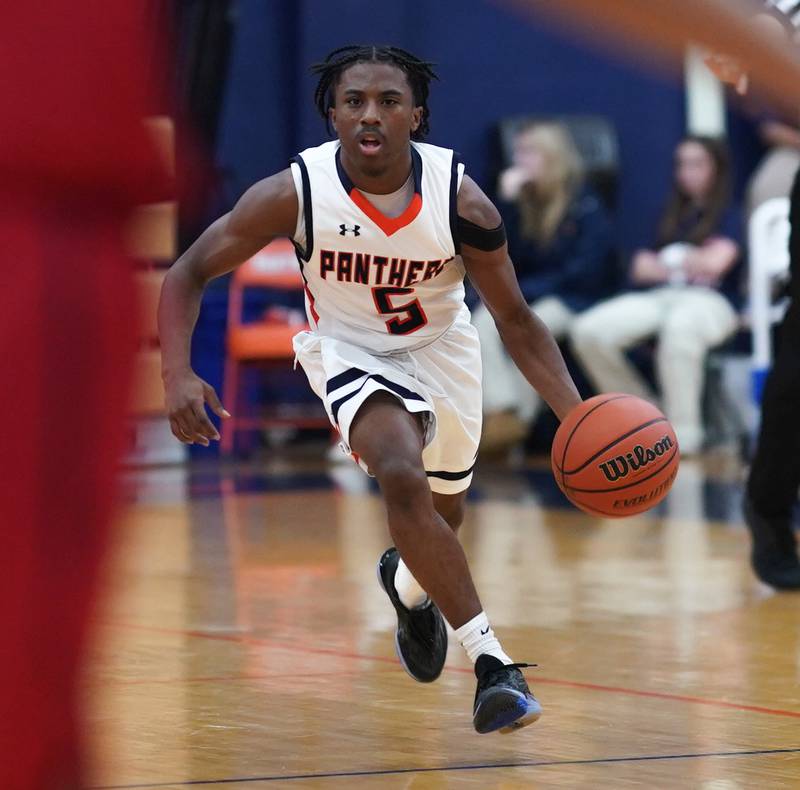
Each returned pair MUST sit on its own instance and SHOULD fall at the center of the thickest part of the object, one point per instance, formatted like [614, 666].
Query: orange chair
[265, 343]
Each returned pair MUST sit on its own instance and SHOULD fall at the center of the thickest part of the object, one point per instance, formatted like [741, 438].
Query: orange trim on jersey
[389, 225]
[311, 304]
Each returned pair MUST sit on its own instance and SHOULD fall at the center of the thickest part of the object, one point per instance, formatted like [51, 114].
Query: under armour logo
[344, 230]
[483, 633]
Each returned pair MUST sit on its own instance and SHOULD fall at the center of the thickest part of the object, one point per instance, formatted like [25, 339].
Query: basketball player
[385, 227]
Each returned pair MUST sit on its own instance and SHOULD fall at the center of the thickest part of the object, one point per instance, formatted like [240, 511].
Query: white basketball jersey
[384, 284]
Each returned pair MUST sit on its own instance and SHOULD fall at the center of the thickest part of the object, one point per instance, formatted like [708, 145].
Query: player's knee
[401, 480]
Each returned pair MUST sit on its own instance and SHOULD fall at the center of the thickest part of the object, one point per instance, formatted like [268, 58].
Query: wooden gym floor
[244, 641]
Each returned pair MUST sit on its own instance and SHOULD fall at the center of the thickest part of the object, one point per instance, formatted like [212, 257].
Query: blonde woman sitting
[560, 240]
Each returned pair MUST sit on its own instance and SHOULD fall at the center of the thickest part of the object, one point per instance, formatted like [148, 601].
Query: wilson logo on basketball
[623, 465]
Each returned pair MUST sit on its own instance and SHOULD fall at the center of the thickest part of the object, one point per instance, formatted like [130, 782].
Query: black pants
[775, 474]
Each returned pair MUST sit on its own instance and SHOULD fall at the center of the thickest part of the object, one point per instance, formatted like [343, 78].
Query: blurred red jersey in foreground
[74, 159]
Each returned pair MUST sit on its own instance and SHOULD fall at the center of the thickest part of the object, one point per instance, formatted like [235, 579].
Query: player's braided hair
[419, 74]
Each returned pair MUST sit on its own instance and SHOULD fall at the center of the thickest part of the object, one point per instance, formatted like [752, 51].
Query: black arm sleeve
[480, 238]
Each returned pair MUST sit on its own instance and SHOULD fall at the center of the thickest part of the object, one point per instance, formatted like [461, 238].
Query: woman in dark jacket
[560, 240]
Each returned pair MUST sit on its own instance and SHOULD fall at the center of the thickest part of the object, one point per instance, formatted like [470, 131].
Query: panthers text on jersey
[384, 284]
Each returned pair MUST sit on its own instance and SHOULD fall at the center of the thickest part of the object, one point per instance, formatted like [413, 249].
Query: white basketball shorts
[440, 381]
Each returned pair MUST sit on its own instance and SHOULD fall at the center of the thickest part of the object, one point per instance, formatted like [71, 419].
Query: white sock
[411, 594]
[477, 638]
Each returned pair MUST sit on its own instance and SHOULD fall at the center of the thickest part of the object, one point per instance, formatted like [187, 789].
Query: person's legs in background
[601, 336]
[510, 404]
[557, 317]
[697, 320]
[498, 395]
[775, 472]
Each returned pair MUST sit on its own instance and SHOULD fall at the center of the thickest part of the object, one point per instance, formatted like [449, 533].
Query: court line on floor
[536, 679]
[244, 676]
[445, 768]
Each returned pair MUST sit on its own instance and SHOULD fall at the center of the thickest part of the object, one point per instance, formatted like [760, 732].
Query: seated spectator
[560, 240]
[687, 289]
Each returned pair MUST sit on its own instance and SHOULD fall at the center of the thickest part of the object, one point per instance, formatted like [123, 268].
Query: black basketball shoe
[421, 636]
[503, 700]
[774, 554]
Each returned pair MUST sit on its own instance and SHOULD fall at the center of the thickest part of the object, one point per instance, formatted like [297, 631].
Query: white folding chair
[768, 238]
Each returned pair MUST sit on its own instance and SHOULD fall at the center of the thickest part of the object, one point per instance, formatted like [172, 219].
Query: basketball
[615, 455]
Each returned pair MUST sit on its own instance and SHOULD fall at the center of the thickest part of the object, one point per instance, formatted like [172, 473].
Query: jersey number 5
[414, 317]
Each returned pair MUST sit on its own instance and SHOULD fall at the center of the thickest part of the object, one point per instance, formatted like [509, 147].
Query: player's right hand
[186, 396]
